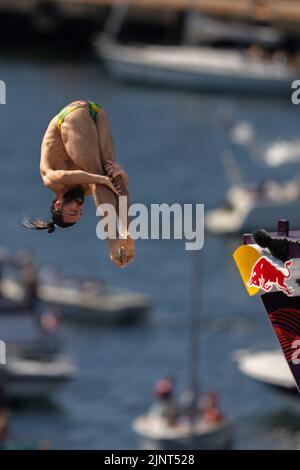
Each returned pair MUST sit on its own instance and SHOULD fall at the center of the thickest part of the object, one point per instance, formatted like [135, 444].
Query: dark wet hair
[56, 214]
[56, 219]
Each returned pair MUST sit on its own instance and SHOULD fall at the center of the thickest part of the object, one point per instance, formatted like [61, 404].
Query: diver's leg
[81, 142]
[107, 153]
[121, 250]
[80, 139]
[107, 149]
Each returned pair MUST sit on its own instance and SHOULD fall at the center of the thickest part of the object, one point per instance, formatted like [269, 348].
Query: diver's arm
[66, 177]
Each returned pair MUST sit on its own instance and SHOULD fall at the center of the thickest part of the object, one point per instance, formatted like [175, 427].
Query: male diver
[77, 160]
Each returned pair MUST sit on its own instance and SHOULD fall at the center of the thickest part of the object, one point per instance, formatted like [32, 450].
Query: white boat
[246, 208]
[156, 435]
[267, 367]
[199, 28]
[196, 67]
[271, 369]
[110, 306]
[25, 335]
[101, 304]
[22, 378]
[34, 365]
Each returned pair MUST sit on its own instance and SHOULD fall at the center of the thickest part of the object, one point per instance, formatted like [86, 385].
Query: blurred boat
[271, 369]
[248, 207]
[30, 334]
[276, 153]
[200, 28]
[268, 367]
[155, 435]
[193, 66]
[85, 301]
[281, 152]
[196, 67]
[35, 365]
[23, 378]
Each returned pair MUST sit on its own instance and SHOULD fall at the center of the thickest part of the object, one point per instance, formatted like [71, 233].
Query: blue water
[170, 144]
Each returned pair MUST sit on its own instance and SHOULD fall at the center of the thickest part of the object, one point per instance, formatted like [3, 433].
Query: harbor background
[170, 143]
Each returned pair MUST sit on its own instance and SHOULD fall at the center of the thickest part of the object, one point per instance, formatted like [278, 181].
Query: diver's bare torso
[54, 157]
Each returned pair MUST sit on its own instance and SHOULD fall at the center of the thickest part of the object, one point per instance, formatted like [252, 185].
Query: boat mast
[194, 324]
[116, 17]
[189, 38]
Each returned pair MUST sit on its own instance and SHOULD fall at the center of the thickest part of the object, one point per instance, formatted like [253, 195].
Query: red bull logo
[265, 275]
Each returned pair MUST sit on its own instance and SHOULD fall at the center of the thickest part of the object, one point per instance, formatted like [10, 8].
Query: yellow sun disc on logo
[245, 257]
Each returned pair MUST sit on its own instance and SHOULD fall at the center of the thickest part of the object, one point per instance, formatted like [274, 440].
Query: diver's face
[71, 205]
[72, 211]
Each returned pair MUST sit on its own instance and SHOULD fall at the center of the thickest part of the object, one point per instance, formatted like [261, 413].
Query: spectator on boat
[164, 407]
[210, 408]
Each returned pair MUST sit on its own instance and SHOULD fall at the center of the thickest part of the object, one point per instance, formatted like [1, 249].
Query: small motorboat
[26, 379]
[30, 334]
[34, 364]
[106, 306]
[85, 300]
[196, 67]
[247, 207]
[271, 370]
[267, 367]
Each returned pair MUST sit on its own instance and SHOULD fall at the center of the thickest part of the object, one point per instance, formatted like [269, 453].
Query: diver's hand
[108, 182]
[113, 169]
[122, 251]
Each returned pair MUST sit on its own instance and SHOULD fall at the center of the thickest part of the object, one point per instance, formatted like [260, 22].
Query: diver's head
[65, 212]
[68, 209]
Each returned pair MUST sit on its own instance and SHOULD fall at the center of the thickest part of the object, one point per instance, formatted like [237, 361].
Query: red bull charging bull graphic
[265, 275]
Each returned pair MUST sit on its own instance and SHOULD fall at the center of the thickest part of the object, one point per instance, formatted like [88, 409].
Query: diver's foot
[121, 251]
